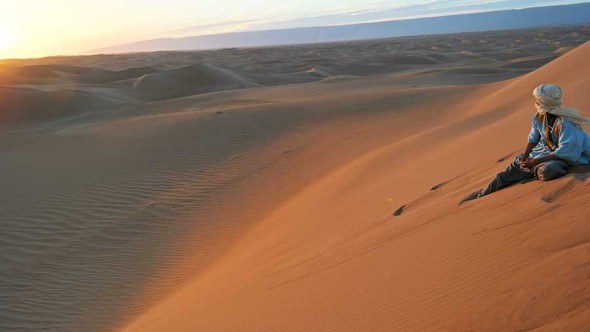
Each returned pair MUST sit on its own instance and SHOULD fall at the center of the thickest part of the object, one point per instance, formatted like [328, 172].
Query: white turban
[549, 99]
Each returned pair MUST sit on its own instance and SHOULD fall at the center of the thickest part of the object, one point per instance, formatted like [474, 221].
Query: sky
[36, 28]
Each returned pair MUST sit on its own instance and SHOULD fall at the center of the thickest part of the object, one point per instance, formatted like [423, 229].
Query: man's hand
[528, 163]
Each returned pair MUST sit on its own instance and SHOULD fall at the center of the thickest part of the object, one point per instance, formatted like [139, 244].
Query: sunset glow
[34, 28]
[6, 38]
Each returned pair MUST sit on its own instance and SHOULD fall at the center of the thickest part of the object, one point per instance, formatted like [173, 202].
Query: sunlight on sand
[304, 188]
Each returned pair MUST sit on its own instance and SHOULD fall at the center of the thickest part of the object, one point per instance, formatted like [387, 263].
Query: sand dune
[106, 76]
[25, 106]
[295, 188]
[165, 75]
[513, 261]
[191, 80]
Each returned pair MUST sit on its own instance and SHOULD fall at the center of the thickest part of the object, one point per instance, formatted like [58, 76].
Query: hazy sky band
[32, 28]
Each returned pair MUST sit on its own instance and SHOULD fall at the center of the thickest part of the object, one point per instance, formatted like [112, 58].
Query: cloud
[354, 14]
[209, 28]
[384, 11]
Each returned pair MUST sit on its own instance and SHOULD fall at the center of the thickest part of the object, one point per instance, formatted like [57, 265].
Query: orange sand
[185, 191]
[334, 258]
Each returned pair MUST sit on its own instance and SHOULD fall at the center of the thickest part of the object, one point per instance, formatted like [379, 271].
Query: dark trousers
[546, 171]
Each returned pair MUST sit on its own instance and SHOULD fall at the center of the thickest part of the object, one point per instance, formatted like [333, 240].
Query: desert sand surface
[295, 188]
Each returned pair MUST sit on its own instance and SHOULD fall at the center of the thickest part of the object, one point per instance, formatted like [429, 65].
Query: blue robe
[572, 142]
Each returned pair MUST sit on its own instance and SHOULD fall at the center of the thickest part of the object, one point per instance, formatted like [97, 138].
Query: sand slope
[260, 184]
[335, 258]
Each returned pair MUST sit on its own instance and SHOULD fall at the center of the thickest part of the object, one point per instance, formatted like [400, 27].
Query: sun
[7, 38]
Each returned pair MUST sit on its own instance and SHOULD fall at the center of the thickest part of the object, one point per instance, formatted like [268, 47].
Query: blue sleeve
[535, 135]
[571, 142]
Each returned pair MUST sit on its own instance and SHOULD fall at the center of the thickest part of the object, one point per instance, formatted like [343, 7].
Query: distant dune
[199, 78]
[310, 187]
[498, 20]
[38, 105]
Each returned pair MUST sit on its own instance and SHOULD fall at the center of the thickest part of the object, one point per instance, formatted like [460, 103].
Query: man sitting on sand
[556, 141]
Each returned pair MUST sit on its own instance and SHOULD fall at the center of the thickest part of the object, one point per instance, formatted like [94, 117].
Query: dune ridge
[199, 78]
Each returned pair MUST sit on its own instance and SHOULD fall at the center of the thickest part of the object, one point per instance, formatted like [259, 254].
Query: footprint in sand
[437, 186]
[399, 211]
